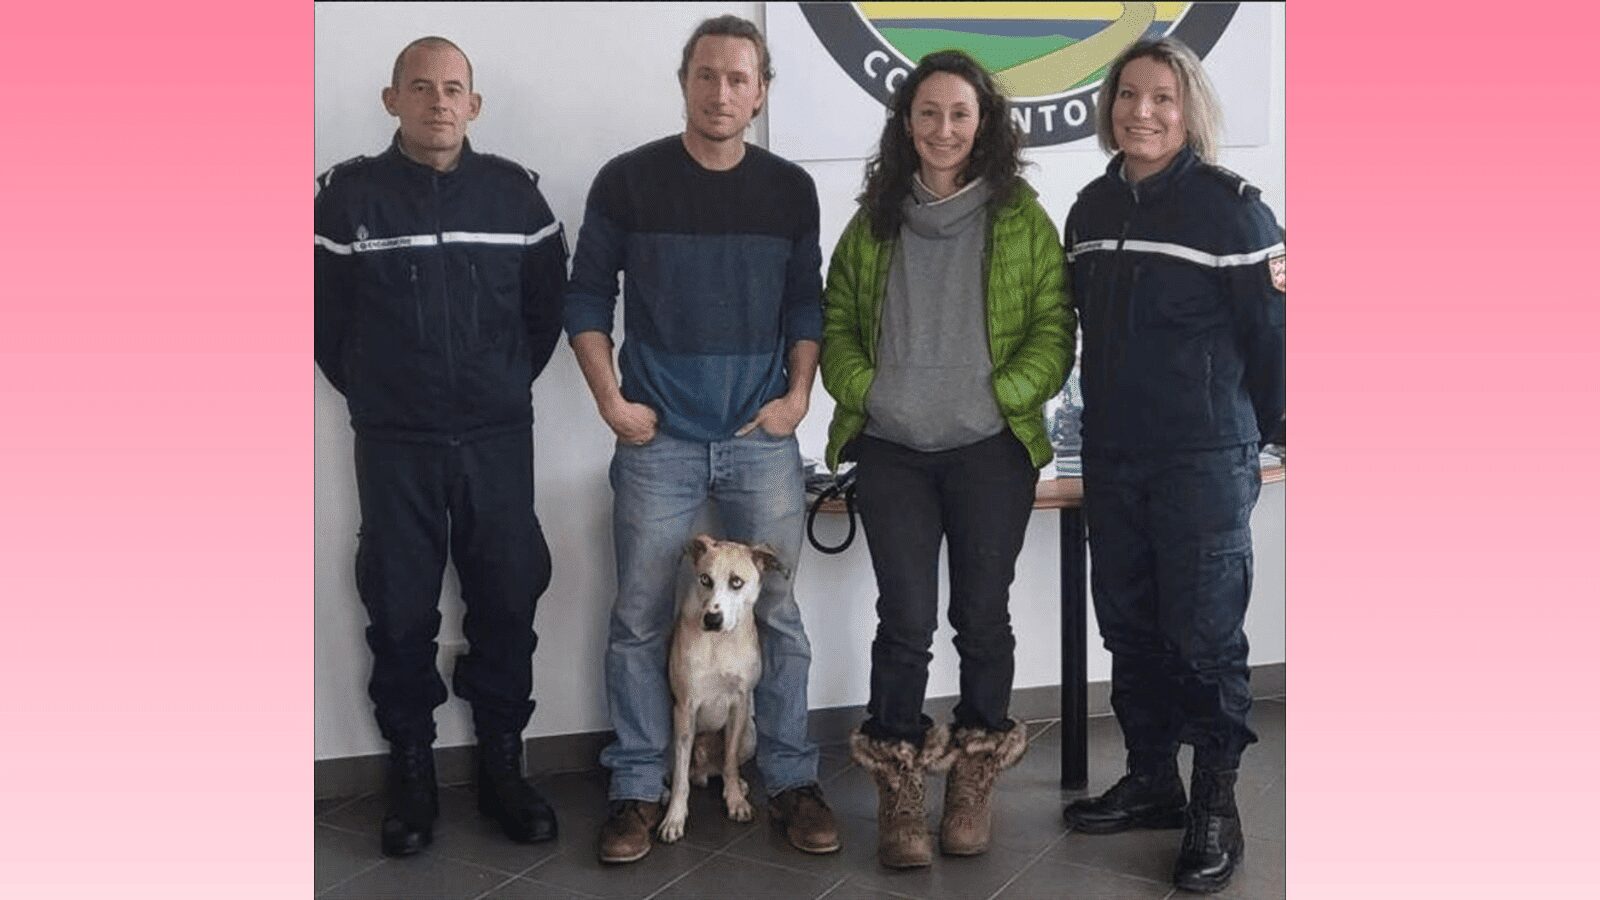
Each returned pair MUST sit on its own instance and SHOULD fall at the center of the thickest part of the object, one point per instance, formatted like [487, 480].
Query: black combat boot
[1143, 798]
[412, 800]
[504, 796]
[1213, 841]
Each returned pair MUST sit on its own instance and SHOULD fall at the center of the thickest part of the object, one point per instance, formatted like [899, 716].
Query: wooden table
[1066, 495]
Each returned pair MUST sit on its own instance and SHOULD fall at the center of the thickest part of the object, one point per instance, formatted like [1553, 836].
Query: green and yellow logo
[1048, 57]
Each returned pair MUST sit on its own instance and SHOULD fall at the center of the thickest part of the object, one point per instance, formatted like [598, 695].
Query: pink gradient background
[155, 390]
[156, 451]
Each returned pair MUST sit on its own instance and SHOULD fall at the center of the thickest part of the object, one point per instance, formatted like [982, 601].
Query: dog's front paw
[672, 827]
[739, 808]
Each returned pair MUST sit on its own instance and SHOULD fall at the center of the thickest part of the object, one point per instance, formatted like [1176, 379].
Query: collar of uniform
[398, 156]
[1161, 182]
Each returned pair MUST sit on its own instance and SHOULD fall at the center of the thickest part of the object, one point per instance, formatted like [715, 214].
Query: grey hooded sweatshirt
[932, 390]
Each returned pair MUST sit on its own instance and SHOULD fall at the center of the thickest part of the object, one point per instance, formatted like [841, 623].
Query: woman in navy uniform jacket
[1178, 269]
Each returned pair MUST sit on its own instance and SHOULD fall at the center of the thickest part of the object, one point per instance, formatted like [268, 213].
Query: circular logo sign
[1049, 58]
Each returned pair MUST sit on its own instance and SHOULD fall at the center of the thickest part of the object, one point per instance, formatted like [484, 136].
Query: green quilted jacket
[1030, 319]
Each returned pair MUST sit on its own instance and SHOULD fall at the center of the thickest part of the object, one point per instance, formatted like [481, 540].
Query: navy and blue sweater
[723, 277]
[1182, 314]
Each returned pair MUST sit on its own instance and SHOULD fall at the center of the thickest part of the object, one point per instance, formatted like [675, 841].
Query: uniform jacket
[1030, 320]
[438, 294]
[1180, 288]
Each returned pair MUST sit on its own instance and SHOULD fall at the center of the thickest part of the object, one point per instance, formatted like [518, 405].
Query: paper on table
[1072, 466]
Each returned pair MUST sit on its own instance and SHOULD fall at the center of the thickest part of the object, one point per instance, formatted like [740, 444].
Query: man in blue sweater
[724, 318]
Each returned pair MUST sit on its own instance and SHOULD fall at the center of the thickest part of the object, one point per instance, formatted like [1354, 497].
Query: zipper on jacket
[416, 305]
[444, 292]
[477, 322]
[1116, 312]
[1133, 291]
[988, 326]
[880, 290]
[1211, 404]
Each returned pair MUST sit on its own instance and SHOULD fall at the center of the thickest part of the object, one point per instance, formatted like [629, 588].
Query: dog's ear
[767, 559]
[698, 547]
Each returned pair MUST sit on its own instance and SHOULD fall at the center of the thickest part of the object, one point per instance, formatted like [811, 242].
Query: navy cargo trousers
[470, 502]
[1171, 566]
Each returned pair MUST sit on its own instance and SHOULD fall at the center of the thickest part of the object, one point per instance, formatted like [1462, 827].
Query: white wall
[566, 87]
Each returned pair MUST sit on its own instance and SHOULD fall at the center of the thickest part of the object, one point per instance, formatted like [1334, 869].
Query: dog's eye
[705, 579]
[735, 582]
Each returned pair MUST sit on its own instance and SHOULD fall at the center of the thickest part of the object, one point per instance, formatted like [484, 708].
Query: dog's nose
[712, 621]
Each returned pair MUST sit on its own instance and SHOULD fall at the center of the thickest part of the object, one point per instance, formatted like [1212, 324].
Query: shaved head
[432, 42]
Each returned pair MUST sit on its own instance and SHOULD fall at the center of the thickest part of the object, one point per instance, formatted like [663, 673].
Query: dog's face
[727, 580]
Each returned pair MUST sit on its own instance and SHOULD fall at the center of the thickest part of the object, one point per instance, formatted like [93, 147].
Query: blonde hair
[1202, 112]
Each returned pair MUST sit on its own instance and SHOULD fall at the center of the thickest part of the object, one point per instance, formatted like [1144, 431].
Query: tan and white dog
[714, 666]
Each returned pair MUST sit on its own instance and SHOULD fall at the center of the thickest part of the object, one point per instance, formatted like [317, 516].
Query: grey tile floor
[1033, 854]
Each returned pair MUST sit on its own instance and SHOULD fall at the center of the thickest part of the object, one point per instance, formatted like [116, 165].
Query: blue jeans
[660, 488]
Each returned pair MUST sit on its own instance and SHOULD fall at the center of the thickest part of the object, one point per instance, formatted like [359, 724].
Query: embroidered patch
[1276, 265]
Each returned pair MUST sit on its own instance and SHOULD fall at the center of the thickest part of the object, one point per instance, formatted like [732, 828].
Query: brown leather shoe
[626, 834]
[806, 819]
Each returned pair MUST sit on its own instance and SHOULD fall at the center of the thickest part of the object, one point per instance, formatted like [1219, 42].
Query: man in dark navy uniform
[439, 273]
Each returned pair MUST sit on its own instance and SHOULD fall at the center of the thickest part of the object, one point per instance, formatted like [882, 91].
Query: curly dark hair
[996, 148]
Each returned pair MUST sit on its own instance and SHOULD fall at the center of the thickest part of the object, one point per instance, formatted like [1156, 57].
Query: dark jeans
[978, 498]
[473, 503]
[1169, 543]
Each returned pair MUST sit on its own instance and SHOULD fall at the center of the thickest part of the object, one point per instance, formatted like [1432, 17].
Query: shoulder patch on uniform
[1275, 265]
[326, 178]
[530, 174]
[1233, 180]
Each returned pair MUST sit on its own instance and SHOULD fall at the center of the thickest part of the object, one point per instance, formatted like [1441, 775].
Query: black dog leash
[845, 487]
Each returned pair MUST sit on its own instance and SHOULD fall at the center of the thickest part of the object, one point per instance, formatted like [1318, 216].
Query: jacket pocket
[1180, 295]
[1224, 569]
[1084, 289]
[1226, 565]
[495, 310]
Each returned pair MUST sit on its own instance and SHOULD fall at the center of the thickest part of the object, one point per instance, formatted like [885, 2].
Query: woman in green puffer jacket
[946, 328]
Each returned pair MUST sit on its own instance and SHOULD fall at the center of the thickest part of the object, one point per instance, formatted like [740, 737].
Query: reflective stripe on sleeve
[1189, 254]
[333, 246]
[512, 239]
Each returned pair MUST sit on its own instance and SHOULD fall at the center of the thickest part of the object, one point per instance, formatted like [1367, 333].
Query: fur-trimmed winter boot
[899, 768]
[979, 757]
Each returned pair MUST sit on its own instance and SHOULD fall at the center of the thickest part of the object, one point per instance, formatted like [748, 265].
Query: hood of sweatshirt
[929, 216]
